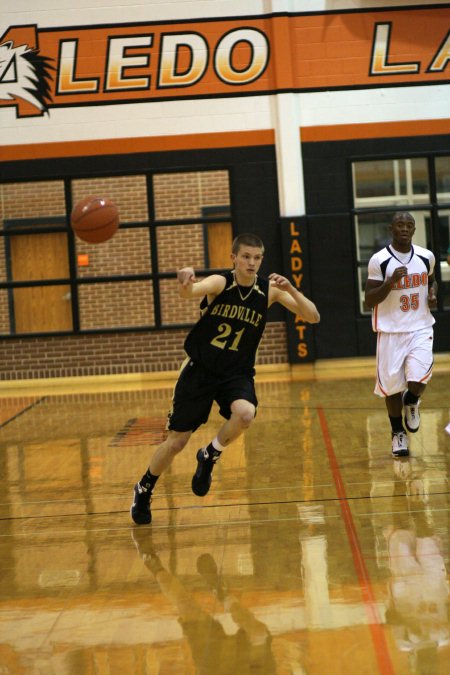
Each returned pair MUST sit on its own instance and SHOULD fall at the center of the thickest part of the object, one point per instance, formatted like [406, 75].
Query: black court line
[221, 506]
[29, 407]
[331, 408]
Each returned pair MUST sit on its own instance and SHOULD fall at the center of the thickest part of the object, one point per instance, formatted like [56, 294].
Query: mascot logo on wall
[25, 76]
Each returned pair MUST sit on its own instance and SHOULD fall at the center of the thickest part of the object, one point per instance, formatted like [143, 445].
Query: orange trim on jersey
[381, 388]
[343, 132]
[375, 317]
[378, 376]
[125, 146]
[427, 375]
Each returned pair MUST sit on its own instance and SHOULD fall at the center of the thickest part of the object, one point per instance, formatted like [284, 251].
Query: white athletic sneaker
[400, 444]
[412, 415]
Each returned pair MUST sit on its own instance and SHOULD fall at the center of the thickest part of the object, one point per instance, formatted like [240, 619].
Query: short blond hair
[246, 239]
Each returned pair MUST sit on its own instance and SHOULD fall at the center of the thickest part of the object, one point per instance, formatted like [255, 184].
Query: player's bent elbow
[312, 315]
[309, 315]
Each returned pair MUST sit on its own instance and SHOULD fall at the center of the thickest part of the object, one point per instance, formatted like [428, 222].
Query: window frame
[205, 217]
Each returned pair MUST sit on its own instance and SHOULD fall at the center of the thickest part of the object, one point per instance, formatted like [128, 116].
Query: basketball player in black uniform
[221, 352]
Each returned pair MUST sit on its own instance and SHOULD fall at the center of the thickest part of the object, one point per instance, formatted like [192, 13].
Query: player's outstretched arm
[191, 288]
[281, 290]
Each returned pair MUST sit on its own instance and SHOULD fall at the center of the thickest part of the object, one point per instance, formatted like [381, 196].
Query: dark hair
[246, 239]
[402, 215]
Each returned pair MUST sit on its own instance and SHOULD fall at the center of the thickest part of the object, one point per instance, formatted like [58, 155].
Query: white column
[288, 156]
[287, 133]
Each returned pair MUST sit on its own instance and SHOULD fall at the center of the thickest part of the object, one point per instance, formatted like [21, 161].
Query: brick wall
[125, 304]
[113, 354]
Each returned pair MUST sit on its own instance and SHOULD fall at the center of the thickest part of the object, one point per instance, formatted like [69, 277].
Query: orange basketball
[95, 219]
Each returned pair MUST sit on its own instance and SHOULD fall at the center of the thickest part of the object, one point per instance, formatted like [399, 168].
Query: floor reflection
[313, 552]
[418, 598]
[213, 650]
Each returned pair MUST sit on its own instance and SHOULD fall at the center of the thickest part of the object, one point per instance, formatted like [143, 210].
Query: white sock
[217, 445]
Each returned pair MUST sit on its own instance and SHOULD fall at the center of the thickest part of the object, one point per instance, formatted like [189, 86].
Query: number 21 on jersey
[225, 331]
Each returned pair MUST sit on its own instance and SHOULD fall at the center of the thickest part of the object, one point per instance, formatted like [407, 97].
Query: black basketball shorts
[197, 389]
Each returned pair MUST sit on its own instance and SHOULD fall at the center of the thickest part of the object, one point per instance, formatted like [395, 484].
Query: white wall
[219, 115]
[206, 116]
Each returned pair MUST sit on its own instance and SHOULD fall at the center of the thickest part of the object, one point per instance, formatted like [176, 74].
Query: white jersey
[406, 308]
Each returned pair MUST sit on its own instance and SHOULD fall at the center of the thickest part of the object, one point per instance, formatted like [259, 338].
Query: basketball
[95, 219]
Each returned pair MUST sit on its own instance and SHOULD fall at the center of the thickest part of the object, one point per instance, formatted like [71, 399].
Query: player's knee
[248, 418]
[246, 414]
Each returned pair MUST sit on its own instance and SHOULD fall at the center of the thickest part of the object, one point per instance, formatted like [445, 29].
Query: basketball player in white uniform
[400, 290]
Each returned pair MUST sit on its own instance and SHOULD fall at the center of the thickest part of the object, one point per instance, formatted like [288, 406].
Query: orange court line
[367, 592]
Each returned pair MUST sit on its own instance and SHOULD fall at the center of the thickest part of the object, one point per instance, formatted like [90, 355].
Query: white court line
[430, 481]
[172, 494]
[394, 513]
[248, 521]
[157, 527]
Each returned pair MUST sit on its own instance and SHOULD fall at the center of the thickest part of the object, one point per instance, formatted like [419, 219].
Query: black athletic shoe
[201, 480]
[140, 508]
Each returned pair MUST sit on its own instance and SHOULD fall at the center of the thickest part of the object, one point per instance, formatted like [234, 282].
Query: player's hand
[398, 273]
[186, 276]
[432, 297]
[279, 281]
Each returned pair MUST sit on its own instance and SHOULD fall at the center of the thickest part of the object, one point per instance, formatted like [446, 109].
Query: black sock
[212, 452]
[410, 399]
[148, 480]
[396, 424]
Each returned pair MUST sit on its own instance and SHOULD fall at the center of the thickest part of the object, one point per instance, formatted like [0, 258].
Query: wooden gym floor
[314, 552]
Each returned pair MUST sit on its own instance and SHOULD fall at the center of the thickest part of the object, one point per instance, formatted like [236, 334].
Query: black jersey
[226, 337]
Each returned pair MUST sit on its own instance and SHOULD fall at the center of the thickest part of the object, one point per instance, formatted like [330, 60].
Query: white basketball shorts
[403, 358]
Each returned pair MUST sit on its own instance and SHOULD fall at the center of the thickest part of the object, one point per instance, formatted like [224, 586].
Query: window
[53, 282]
[443, 216]
[395, 181]
[419, 185]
